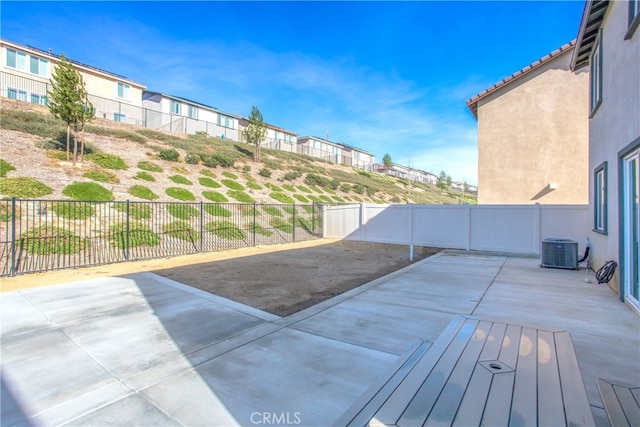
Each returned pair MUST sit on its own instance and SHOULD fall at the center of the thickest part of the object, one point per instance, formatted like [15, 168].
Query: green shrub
[316, 189]
[217, 210]
[145, 176]
[183, 211]
[272, 210]
[338, 199]
[43, 125]
[314, 198]
[272, 187]
[208, 172]
[225, 229]
[181, 230]
[169, 154]
[303, 189]
[280, 224]
[330, 190]
[214, 196]
[180, 194]
[240, 196]
[139, 235]
[359, 189]
[107, 161]
[326, 198]
[149, 166]
[116, 133]
[321, 181]
[281, 197]
[230, 175]
[232, 184]
[345, 188]
[73, 210]
[209, 160]
[292, 176]
[301, 198]
[253, 227]
[87, 191]
[102, 176]
[5, 167]
[246, 168]
[208, 182]
[396, 199]
[23, 188]
[49, 240]
[143, 192]
[357, 199]
[179, 179]
[290, 188]
[192, 158]
[224, 161]
[7, 212]
[254, 185]
[136, 210]
[265, 172]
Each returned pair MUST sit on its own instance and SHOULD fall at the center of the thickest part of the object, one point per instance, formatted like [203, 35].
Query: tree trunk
[82, 146]
[75, 145]
[68, 129]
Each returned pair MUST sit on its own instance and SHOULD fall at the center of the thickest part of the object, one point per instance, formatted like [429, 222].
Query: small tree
[444, 181]
[255, 131]
[87, 116]
[66, 99]
[387, 162]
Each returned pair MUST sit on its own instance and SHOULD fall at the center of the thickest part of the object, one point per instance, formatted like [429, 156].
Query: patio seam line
[504, 261]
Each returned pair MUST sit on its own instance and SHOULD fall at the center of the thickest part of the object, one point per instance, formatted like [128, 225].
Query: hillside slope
[32, 142]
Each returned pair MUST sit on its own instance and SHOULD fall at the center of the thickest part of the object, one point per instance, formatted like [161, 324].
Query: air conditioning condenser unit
[559, 253]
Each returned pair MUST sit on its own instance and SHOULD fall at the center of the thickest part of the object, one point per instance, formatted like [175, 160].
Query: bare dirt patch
[285, 282]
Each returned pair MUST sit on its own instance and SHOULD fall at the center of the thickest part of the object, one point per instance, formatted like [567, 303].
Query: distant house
[406, 172]
[608, 45]
[26, 72]
[174, 114]
[276, 138]
[335, 152]
[533, 134]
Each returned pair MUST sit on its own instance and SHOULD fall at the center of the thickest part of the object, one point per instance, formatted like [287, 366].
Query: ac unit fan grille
[559, 253]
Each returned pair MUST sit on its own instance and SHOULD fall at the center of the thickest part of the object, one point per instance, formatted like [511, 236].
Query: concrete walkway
[144, 350]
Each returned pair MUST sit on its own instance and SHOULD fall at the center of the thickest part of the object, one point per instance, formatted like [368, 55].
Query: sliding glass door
[631, 228]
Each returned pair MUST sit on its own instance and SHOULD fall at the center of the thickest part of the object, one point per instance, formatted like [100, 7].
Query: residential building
[335, 152]
[179, 115]
[608, 45]
[533, 134]
[406, 172]
[276, 137]
[26, 71]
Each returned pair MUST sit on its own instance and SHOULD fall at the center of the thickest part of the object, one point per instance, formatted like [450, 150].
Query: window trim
[192, 112]
[634, 20]
[178, 105]
[120, 117]
[126, 90]
[595, 86]
[600, 202]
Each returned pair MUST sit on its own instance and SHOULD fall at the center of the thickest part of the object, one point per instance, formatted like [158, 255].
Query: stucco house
[25, 74]
[335, 152]
[174, 114]
[276, 138]
[533, 134]
[608, 45]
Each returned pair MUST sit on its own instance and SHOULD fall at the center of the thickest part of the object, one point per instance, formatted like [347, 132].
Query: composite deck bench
[480, 372]
[621, 402]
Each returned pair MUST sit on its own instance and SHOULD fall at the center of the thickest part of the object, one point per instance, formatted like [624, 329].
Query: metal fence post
[313, 217]
[254, 223]
[13, 236]
[201, 224]
[294, 222]
[126, 251]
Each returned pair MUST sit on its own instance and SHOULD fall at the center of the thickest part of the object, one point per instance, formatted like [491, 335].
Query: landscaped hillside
[130, 162]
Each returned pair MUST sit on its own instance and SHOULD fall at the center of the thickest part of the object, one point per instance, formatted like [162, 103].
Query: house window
[634, 17]
[38, 66]
[596, 75]
[38, 99]
[225, 121]
[18, 60]
[600, 199]
[124, 90]
[20, 95]
[175, 107]
[119, 117]
[288, 138]
[193, 112]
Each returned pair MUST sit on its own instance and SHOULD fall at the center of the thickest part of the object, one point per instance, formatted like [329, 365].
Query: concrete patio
[144, 350]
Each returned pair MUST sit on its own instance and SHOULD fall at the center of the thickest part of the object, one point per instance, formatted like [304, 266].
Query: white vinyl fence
[498, 228]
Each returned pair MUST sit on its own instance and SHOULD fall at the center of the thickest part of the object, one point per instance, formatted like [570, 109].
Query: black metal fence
[41, 235]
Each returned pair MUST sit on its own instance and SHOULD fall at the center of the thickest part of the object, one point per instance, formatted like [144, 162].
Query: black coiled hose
[605, 274]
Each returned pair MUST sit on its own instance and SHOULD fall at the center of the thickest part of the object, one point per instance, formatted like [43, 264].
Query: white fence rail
[497, 228]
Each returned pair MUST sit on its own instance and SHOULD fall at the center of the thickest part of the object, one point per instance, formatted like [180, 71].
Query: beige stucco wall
[107, 87]
[615, 125]
[532, 132]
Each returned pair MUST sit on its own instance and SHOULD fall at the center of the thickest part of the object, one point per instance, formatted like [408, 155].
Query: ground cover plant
[143, 192]
[281, 197]
[139, 235]
[217, 210]
[272, 210]
[169, 154]
[230, 175]
[290, 188]
[180, 194]
[107, 161]
[253, 227]
[301, 198]
[145, 176]
[208, 182]
[49, 240]
[181, 230]
[149, 166]
[179, 179]
[225, 229]
[240, 196]
[215, 196]
[87, 191]
[136, 210]
[23, 188]
[208, 172]
[73, 210]
[183, 211]
[254, 185]
[102, 176]
[280, 224]
[5, 167]
[232, 184]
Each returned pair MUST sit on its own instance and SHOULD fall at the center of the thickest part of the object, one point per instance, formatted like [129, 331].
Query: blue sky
[387, 77]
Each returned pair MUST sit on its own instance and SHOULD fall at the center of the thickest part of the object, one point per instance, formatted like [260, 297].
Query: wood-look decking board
[484, 372]
[621, 402]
